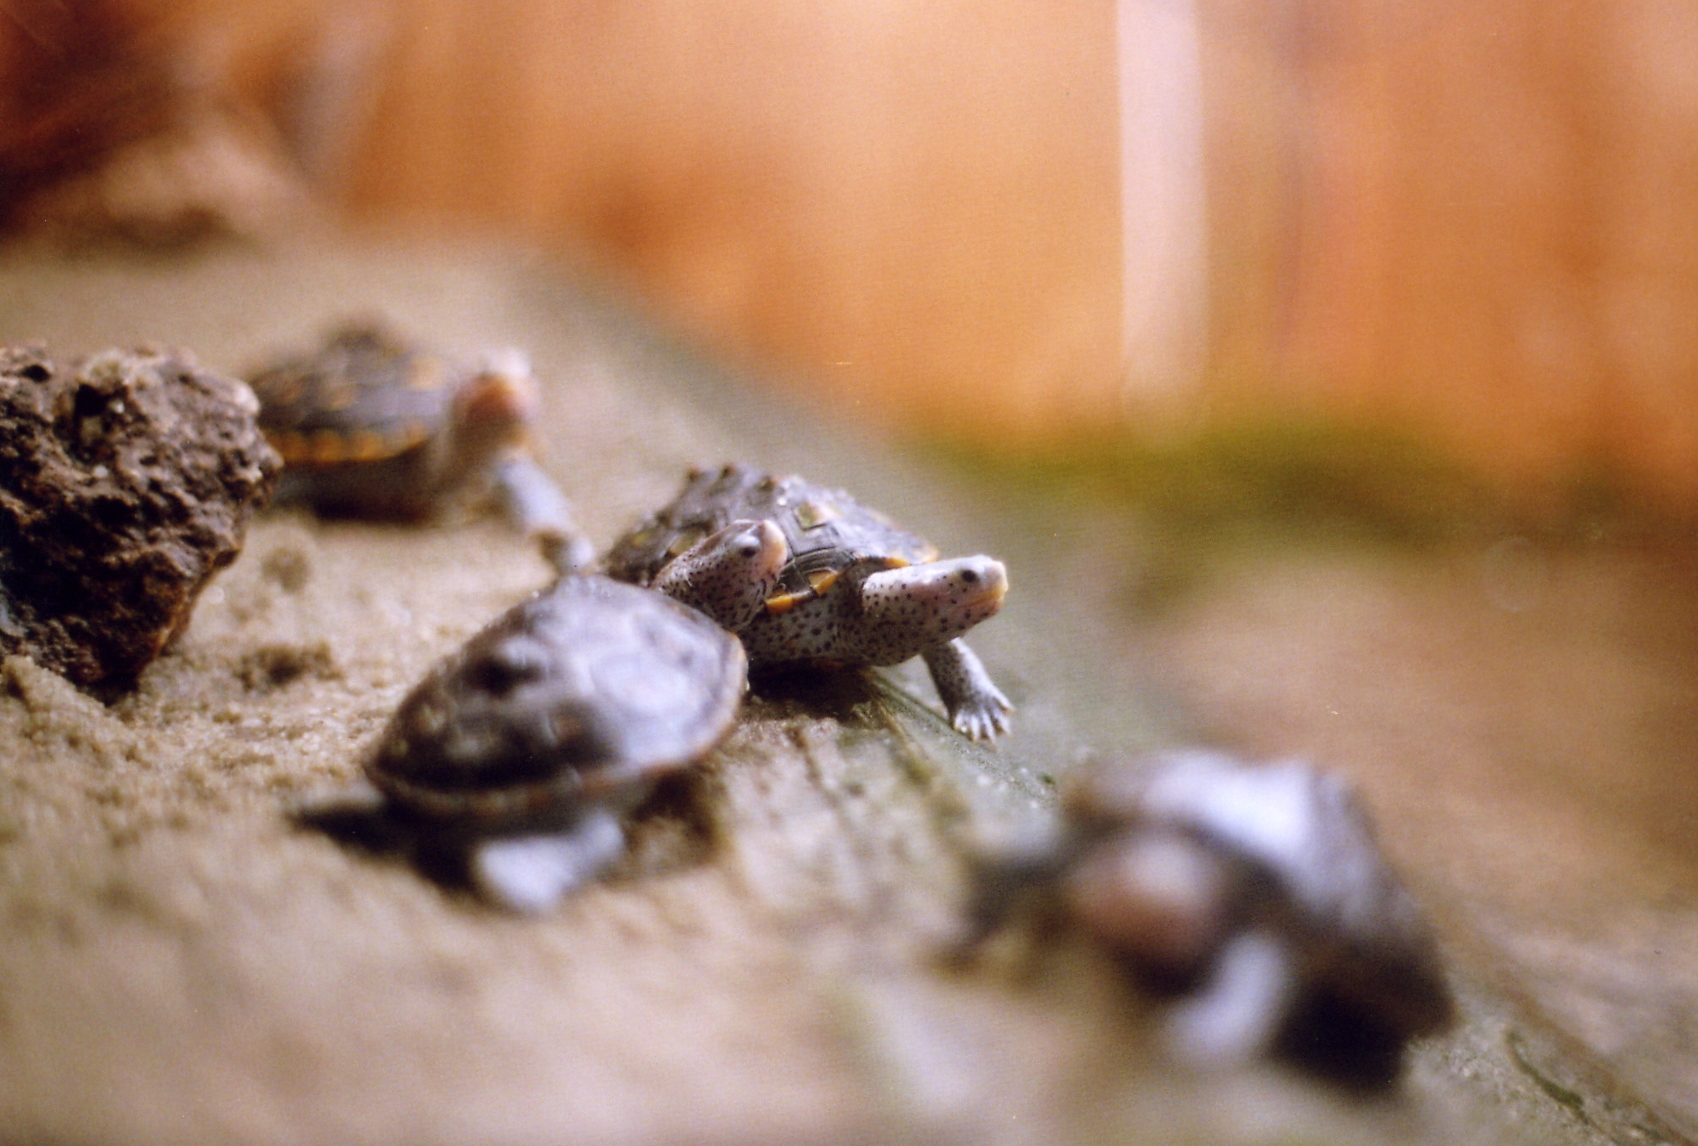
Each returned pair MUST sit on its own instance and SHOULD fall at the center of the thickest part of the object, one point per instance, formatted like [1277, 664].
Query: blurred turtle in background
[371, 426]
[1253, 896]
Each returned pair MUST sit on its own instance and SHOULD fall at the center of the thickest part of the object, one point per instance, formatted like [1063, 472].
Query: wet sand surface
[179, 963]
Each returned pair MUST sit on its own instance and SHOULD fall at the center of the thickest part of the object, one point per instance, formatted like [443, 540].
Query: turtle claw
[567, 553]
[982, 717]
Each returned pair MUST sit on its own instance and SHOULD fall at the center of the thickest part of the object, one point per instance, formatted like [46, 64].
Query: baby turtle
[519, 754]
[373, 427]
[1257, 895]
[857, 589]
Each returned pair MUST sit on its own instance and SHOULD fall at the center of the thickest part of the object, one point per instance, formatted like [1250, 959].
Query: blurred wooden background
[1016, 219]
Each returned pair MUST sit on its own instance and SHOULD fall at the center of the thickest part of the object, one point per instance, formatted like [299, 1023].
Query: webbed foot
[977, 709]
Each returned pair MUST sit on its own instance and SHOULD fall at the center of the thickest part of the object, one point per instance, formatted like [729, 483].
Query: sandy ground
[180, 963]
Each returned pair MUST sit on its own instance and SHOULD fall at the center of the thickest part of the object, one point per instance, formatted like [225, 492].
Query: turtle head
[494, 406]
[933, 602]
[730, 574]
[1158, 895]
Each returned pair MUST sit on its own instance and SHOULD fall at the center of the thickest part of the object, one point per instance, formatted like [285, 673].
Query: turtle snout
[501, 394]
[984, 578]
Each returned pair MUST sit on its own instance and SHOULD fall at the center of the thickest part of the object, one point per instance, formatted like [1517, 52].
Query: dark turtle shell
[584, 692]
[826, 529]
[364, 396]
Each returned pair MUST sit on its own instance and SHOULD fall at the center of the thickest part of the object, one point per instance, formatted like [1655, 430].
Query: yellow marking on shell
[290, 445]
[784, 602]
[327, 447]
[369, 446]
[818, 584]
[409, 434]
[813, 514]
[684, 540]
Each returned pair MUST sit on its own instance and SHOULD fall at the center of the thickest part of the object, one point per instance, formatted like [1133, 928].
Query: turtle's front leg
[534, 504]
[1238, 1011]
[529, 874]
[976, 706]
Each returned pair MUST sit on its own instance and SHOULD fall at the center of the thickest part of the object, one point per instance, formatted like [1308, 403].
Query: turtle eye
[970, 576]
[748, 548]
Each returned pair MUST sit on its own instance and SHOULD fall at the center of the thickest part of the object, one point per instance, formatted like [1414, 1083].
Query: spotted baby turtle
[857, 588]
[1255, 894]
[521, 752]
[371, 426]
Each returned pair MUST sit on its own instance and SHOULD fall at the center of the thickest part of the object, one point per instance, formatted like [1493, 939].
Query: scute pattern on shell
[583, 689]
[364, 396]
[857, 590]
[826, 529]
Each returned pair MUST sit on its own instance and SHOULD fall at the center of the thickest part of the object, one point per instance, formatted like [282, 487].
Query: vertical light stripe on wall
[1163, 206]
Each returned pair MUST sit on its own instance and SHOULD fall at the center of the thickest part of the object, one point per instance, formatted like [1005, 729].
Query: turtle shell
[583, 693]
[1314, 847]
[365, 396]
[826, 529]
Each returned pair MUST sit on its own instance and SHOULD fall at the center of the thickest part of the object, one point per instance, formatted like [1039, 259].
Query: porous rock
[126, 481]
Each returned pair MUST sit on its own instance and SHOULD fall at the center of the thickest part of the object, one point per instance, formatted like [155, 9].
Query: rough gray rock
[126, 481]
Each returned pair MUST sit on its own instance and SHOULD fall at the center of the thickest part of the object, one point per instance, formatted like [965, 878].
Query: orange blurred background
[1018, 220]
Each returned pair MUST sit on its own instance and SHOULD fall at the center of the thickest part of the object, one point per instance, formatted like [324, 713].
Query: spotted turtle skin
[372, 426]
[1255, 895]
[531, 741]
[729, 575]
[857, 589]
